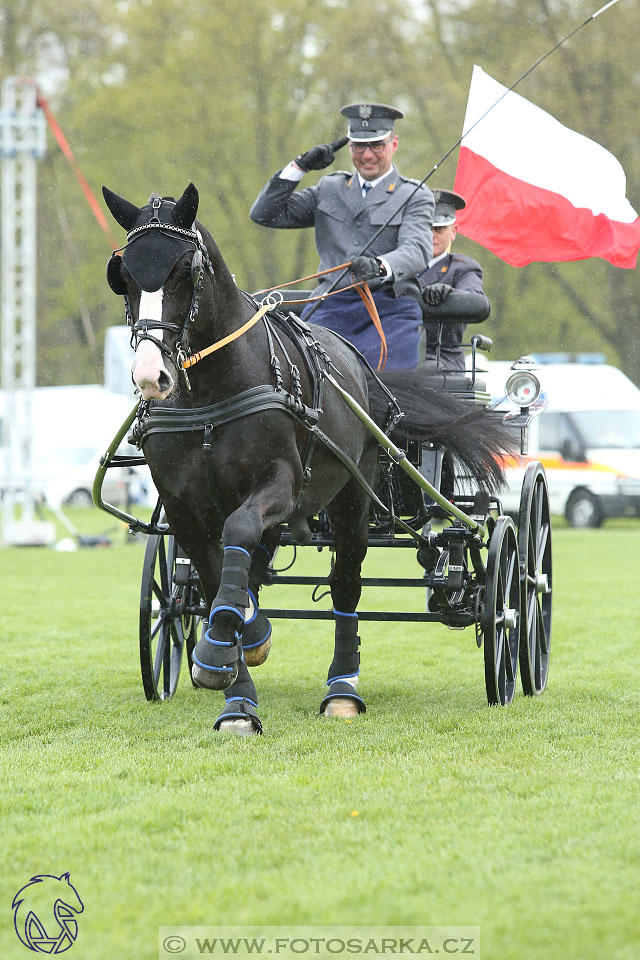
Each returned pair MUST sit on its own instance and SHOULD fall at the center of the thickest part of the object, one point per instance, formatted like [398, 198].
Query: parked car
[67, 478]
[71, 428]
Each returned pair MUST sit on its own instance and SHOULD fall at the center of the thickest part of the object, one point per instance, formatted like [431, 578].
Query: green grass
[431, 809]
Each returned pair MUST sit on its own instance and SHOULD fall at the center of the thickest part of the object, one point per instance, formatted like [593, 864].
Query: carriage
[475, 566]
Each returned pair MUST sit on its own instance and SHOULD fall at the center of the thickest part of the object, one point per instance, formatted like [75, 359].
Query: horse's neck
[239, 364]
[244, 362]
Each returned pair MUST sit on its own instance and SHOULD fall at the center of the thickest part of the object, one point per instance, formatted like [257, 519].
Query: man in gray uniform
[347, 209]
[452, 288]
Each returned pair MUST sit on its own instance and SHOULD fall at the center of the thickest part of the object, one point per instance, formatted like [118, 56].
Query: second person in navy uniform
[452, 288]
[347, 209]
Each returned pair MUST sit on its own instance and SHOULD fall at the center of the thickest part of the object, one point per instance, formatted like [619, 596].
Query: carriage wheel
[168, 623]
[501, 614]
[534, 548]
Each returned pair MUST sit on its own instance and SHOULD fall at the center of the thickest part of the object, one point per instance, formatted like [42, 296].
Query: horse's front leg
[218, 657]
[349, 516]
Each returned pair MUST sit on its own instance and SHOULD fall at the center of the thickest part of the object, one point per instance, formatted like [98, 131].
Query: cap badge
[364, 111]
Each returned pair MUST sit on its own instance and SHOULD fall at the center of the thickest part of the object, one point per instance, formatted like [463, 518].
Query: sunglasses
[376, 147]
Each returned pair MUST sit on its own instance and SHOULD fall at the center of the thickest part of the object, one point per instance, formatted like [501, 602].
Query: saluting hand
[321, 156]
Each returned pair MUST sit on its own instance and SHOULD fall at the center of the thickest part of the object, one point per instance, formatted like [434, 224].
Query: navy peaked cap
[447, 202]
[370, 121]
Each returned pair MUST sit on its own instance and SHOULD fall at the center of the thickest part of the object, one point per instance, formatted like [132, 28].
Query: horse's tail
[476, 436]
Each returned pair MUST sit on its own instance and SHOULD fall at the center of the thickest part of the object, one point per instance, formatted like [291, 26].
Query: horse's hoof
[256, 639]
[240, 728]
[240, 716]
[213, 679]
[343, 707]
[342, 701]
[257, 655]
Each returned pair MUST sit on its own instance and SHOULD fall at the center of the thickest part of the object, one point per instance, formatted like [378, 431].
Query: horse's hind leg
[349, 516]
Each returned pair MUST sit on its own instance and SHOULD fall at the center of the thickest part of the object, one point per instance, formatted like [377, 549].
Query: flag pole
[446, 155]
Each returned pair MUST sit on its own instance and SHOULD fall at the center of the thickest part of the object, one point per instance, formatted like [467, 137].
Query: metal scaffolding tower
[22, 143]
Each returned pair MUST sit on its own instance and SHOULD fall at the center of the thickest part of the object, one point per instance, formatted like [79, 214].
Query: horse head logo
[44, 913]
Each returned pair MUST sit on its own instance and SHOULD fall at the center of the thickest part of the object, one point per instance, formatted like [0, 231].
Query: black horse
[242, 434]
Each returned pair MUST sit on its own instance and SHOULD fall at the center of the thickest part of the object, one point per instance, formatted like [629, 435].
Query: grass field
[432, 809]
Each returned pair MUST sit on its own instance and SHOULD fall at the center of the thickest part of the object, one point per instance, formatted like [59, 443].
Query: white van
[72, 427]
[587, 438]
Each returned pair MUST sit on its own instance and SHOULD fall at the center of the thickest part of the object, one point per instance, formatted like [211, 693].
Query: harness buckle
[181, 356]
[156, 203]
[206, 441]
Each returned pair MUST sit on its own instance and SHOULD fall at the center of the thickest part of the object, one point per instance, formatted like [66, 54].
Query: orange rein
[361, 286]
[196, 357]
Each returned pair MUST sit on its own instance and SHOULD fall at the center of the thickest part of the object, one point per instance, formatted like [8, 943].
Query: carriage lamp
[522, 388]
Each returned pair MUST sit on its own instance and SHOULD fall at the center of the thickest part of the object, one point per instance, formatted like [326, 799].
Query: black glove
[321, 156]
[435, 293]
[367, 268]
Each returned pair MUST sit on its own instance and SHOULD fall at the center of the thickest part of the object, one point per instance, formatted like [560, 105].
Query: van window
[557, 432]
[609, 428]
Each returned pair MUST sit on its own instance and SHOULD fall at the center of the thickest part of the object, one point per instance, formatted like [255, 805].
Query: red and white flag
[537, 191]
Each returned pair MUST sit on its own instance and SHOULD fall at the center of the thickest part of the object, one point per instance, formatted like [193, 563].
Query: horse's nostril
[164, 381]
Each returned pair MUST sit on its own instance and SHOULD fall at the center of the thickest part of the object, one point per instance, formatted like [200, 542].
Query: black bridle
[200, 263]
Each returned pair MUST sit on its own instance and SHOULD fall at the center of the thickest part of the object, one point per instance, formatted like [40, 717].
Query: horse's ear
[114, 275]
[124, 212]
[185, 210]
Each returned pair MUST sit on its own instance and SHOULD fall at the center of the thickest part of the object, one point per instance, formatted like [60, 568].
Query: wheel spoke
[158, 592]
[542, 546]
[509, 663]
[166, 666]
[532, 608]
[538, 503]
[160, 650]
[543, 641]
[162, 566]
[499, 644]
[160, 622]
[511, 568]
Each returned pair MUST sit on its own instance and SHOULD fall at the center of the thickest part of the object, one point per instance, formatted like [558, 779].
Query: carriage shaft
[399, 457]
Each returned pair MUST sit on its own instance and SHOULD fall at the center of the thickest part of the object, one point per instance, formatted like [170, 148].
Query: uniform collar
[374, 183]
[435, 260]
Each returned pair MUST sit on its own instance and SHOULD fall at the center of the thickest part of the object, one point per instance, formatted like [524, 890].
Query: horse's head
[161, 274]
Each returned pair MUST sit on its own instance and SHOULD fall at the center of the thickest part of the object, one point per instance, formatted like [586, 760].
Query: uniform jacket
[462, 273]
[344, 222]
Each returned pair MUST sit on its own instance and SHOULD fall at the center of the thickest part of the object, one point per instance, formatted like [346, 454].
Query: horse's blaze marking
[149, 361]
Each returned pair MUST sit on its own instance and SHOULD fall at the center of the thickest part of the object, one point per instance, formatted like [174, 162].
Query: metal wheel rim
[501, 609]
[534, 548]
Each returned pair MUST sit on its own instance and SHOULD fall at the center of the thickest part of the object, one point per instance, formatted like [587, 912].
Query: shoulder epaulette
[411, 180]
[463, 258]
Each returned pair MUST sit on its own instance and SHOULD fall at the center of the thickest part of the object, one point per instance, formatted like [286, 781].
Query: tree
[154, 93]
